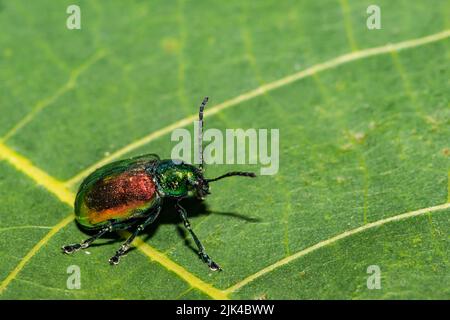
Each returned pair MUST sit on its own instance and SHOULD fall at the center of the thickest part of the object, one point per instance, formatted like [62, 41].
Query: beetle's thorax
[178, 179]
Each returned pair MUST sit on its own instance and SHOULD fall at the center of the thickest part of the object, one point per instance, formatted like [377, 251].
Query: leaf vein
[311, 71]
[56, 187]
[42, 104]
[331, 240]
[345, 8]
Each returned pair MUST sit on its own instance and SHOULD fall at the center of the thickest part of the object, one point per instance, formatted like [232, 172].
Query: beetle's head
[199, 186]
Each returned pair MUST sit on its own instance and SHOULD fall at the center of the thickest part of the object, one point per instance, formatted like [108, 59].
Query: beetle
[129, 194]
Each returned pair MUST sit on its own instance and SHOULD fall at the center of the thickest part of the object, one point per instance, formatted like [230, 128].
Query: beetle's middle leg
[201, 249]
[126, 245]
[71, 248]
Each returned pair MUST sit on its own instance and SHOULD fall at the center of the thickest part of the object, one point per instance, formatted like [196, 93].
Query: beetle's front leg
[126, 245]
[201, 249]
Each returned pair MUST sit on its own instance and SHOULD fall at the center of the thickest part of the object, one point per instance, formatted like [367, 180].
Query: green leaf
[364, 124]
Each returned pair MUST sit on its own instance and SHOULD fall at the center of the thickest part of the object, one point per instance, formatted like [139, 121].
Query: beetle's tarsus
[71, 248]
[211, 264]
[114, 260]
[214, 266]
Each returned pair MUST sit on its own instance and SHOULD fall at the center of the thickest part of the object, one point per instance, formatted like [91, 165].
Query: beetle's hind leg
[71, 248]
[126, 245]
[201, 249]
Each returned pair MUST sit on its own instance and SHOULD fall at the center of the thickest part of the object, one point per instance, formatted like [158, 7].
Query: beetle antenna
[233, 173]
[200, 132]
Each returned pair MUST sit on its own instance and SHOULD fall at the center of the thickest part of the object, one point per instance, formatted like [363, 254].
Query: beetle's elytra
[128, 194]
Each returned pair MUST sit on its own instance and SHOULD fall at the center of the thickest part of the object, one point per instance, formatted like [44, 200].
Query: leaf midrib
[194, 282]
[56, 187]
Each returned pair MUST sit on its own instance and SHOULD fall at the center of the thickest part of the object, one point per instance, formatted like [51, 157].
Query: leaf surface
[364, 144]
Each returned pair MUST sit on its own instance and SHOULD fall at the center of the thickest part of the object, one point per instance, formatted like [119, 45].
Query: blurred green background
[359, 143]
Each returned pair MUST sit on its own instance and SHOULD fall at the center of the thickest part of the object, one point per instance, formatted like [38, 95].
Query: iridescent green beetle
[129, 194]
